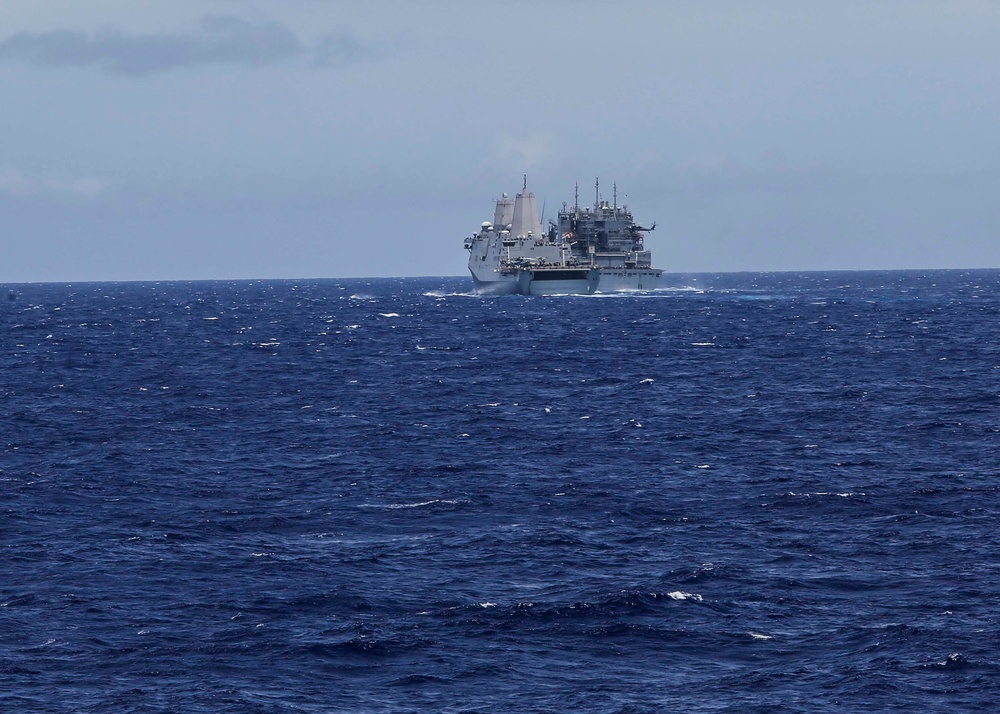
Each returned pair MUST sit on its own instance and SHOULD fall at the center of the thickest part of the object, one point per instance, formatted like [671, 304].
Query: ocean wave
[308, 504]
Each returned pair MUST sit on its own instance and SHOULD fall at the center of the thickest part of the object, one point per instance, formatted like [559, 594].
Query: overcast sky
[302, 138]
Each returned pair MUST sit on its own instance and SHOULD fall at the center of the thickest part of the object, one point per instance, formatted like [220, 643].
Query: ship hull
[625, 279]
[505, 285]
[579, 281]
[558, 281]
[569, 282]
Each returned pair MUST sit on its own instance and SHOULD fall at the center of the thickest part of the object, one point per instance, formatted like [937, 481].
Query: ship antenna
[525, 188]
[597, 193]
[576, 198]
[615, 184]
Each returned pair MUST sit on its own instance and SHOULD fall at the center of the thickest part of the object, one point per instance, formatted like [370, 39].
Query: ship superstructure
[587, 250]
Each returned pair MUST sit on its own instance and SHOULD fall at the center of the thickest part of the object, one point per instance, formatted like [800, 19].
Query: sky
[231, 139]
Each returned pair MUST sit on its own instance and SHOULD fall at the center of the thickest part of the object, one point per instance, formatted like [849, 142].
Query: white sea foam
[842, 494]
[679, 595]
[644, 293]
[441, 294]
[389, 314]
[397, 506]
[418, 504]
[758, 636]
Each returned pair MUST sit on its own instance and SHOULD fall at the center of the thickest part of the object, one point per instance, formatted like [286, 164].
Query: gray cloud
[18, 184]
[218, 39]
[340, 50]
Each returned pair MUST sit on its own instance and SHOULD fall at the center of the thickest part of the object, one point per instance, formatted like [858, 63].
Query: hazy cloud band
[18, 184]
[218, 39]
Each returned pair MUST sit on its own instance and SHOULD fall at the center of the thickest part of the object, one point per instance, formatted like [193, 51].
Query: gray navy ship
[588, 250]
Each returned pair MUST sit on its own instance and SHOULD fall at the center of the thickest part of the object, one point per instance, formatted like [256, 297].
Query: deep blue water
[748, 493]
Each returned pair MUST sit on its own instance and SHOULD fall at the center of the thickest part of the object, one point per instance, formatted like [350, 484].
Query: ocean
[738, 493]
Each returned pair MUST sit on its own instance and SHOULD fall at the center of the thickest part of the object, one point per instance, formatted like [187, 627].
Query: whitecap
[679, 595]
[441, 294]
[758, 636]
[845, 494]
[389, 314]
[397, 506]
